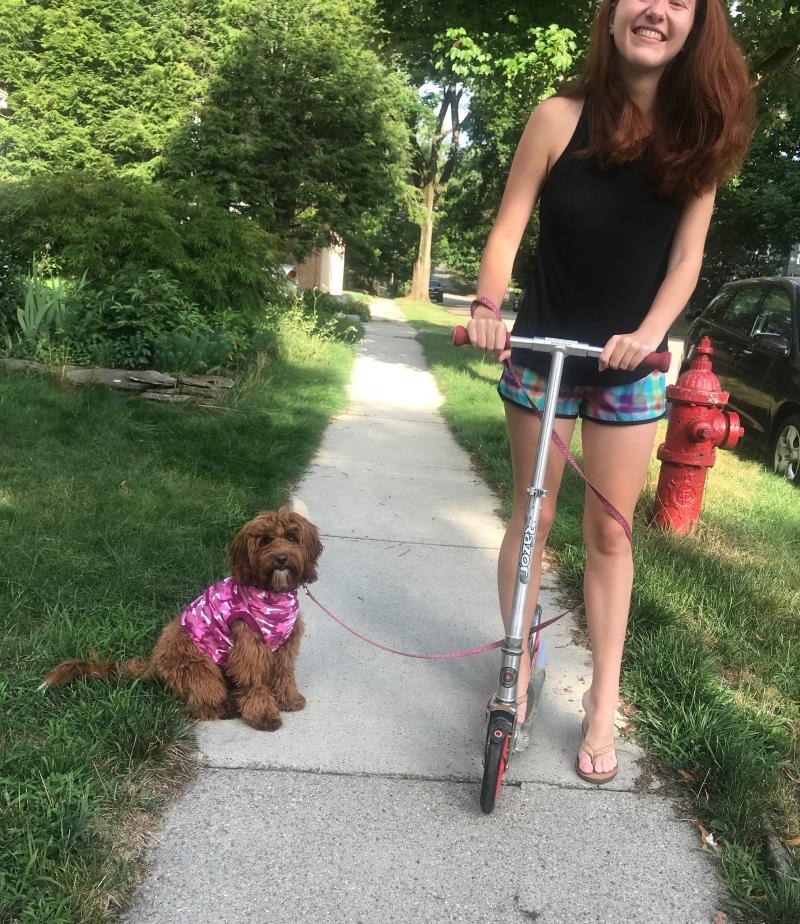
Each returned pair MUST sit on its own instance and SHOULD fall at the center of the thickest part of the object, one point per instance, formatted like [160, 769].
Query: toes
[293, 703]
[602, 764]
[585, 762]
[606, 763]
[265, 722]
[205, 712]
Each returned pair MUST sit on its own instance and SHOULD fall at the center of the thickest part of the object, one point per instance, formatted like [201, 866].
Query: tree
[280, 110]
[463, 62]
[98, 85]
[757, 216]
[502, 100]
[301, 128]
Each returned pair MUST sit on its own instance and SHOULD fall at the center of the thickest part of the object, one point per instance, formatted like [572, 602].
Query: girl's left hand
[626, 351]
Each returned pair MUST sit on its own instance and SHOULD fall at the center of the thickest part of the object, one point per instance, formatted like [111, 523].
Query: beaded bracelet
[483, 301]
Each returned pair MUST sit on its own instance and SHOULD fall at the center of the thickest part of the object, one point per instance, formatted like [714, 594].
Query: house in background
[323, 270]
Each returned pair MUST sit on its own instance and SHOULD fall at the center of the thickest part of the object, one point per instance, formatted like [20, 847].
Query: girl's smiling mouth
[653, 35]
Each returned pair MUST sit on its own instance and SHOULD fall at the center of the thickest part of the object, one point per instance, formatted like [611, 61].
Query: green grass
[113, 512]
[712, 663]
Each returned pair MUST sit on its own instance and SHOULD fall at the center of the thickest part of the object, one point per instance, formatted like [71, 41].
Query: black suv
[754, 326]
[436, 291]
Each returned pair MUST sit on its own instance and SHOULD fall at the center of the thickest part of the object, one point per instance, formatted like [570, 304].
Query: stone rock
[152, 385]
[169, 396]
[207, 383]
[111, 378]
[24, 365]
[154, 379]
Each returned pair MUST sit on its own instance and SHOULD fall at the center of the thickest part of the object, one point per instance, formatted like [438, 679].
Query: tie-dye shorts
[638, 402]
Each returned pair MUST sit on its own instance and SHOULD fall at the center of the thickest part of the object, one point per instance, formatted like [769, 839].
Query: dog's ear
[239, 554]
[244, 548]
[311, 544]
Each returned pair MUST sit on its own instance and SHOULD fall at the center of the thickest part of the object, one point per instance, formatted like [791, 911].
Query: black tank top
[604, 244]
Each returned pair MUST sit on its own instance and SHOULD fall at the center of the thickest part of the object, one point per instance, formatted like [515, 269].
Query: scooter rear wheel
[495, 759]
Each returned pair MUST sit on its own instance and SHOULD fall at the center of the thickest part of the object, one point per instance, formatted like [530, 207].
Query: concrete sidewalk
[364, 807]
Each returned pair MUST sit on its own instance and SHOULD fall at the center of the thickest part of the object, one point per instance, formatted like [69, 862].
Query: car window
[742, 310]
[776, 314]
[717, 305]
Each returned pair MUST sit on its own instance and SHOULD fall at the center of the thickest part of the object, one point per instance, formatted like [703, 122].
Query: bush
[197, 351]
[111, 226]
[328, 315]
[125, 322]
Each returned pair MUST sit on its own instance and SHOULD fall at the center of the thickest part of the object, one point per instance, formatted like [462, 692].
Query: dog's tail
[94, 668]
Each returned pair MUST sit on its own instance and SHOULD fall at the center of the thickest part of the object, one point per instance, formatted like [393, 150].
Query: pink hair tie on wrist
[484, 302]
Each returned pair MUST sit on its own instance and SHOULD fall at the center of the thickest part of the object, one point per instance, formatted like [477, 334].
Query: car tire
[786, 449]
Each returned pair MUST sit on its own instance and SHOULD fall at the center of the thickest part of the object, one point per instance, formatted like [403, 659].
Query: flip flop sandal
[593, 777]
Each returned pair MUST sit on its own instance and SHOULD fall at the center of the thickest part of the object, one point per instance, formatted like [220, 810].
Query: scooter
[504, 734]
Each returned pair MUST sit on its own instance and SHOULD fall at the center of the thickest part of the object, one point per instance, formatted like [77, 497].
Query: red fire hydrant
[697, 425]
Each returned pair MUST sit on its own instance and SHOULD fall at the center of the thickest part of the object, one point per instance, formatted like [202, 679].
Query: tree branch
[774, 62]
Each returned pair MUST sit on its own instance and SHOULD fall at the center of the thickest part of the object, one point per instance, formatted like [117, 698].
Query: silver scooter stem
[513, 645]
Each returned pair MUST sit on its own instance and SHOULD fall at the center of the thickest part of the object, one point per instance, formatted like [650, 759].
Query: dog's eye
[292, 537]
[265, 540]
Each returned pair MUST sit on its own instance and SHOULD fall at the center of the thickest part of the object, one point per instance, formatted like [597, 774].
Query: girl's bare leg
[616, 460]
[523, 431]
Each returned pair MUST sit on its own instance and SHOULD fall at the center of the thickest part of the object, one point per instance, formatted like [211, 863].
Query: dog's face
[276, 551]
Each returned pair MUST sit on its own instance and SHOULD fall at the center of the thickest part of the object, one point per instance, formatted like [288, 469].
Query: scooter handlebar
[654, 362]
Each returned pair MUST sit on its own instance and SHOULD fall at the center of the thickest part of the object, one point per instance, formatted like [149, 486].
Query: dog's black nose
[282, 560]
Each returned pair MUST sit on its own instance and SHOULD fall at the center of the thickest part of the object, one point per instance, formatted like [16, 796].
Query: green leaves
[301, 126]
[282, 110]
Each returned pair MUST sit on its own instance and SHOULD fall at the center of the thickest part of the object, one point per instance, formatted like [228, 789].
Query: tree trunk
[422, 265]
[434, 185]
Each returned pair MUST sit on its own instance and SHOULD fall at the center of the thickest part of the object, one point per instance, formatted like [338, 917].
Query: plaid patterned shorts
[638, 402]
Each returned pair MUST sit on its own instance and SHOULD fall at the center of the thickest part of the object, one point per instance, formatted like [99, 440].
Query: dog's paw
[294, 702]
[231, 709]
[205, 712]
[265, 722]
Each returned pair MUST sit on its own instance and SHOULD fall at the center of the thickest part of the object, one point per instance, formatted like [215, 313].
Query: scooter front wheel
[495, 759]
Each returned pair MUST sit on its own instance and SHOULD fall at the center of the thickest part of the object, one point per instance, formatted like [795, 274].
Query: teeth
[649, 33]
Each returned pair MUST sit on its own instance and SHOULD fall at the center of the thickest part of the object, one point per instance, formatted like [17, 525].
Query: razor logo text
[527, 551]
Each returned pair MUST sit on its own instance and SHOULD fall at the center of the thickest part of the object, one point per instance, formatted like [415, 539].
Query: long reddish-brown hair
[704, 113]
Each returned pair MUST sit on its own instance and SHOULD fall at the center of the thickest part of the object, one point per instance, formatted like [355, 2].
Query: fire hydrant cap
[699, 384]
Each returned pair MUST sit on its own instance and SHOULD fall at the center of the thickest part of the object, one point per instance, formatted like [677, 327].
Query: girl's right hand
[487, 333]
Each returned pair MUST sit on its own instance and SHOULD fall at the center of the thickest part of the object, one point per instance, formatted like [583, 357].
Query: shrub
[196, 351]
[129, 322]
[112, 225]
[328, 315]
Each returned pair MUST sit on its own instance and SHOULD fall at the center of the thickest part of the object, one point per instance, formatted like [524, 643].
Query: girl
[624, 164]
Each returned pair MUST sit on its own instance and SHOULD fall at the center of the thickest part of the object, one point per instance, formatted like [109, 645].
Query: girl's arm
[626, 351]
[528, 172]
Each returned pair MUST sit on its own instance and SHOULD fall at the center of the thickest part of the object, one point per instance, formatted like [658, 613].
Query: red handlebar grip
[657, 362]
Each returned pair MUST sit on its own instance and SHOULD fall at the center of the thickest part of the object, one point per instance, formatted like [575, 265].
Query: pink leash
[451, 656]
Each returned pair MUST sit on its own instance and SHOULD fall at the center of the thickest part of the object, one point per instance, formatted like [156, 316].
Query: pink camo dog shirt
[208, 619]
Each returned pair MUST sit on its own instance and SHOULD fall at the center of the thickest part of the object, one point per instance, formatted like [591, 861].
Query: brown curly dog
[232, 651]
